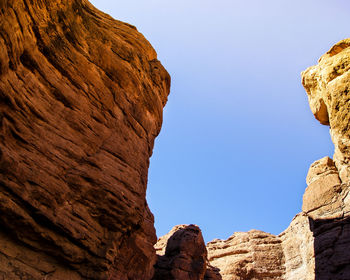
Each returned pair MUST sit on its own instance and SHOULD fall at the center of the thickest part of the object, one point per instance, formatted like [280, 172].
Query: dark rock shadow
[332, 248]
[185, 257]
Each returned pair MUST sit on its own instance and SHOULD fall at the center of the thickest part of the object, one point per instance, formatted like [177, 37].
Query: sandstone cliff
[81, 99]
[327, 85]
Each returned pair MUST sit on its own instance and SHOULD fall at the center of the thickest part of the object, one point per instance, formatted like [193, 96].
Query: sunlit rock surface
[248, 255]
[316, 244]
[328, 88]
[81, 100]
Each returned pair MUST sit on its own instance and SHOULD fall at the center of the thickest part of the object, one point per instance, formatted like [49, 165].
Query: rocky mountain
[81, 100]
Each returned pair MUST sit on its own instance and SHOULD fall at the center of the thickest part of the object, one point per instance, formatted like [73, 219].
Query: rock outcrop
[298, 249]
[81, 100]
[328, 88]
[328, 212]
[248, 255]
[316, 244]
[181, 255]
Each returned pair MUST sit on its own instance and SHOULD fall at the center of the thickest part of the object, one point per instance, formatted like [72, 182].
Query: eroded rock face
[328, 88]
[248, 255]
[181, 254]
[322, 196]
[298, 249]
[326, 200]
[81, 99]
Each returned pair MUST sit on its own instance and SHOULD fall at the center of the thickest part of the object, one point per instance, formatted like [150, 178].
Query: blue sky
[238, 136]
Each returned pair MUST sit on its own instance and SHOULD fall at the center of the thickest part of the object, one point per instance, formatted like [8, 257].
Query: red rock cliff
[81, 100]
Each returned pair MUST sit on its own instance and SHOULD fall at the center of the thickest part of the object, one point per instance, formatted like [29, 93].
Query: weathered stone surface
[212, 273]
[261, 256]
[181, 255]
[328, 88]
[81, 99]
[248, 255]
[316, 243]
[323, 192]
[326, 200]
[298, 249]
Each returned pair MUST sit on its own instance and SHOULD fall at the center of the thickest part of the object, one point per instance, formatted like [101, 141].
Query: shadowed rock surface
[81, 100]
[181, 254]
[212, 273]
[327, 199]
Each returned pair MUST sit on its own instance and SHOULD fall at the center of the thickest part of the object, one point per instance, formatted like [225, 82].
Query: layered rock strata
[81, 100]
[314, 246]
[248, 255]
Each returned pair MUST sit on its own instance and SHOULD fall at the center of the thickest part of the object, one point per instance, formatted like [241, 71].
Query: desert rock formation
[248, 255]
[327, 85]
[316, 244]
[81, 100]
[182, 255]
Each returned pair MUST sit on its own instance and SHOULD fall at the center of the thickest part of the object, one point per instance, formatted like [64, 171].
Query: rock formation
[326, 201]
[81, 100]
[182, 255]
[316, 244]
[248, 255]
[328, 88]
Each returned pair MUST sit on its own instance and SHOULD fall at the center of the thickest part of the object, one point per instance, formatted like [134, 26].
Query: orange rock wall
[81, 100]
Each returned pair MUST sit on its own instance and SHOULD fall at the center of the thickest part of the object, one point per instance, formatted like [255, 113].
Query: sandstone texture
[327, 85]
[298, 249]
[315, 246]
[81, 100]
[248, 255]
[326, 201]
[182, 255]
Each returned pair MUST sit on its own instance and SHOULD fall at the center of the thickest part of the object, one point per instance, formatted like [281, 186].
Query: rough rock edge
[81, 99]
[315, 245]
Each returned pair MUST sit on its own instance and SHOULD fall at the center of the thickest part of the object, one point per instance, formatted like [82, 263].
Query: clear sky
[238, 136]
